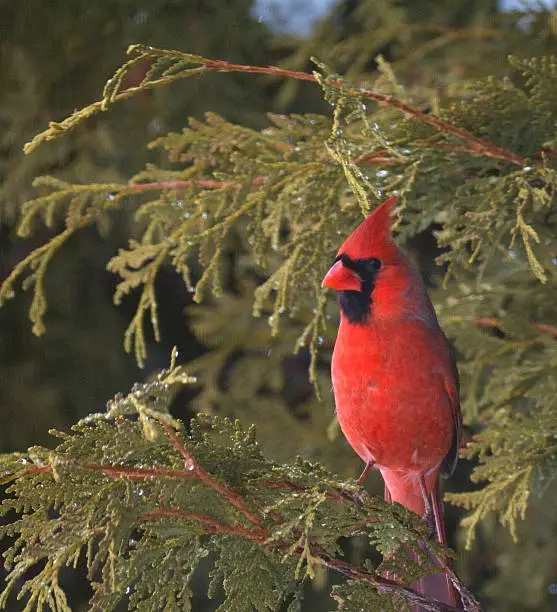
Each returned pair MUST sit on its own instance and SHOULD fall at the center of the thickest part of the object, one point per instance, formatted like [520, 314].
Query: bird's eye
[373, 265]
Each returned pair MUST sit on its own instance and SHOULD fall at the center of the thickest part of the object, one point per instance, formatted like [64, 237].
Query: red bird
[394, 377]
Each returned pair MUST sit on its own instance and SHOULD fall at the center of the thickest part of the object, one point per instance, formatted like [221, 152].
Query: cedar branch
[202, 183]
[542, 327]
[257, 533]
[475, 144]
[212, 526]
[225, 491]
[383, 584]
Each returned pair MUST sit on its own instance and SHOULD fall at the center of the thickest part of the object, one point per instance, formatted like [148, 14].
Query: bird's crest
[373, 236]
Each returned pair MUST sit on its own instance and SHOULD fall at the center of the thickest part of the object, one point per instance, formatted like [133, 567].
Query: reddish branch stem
[542, 327]
[475, 144]
[203, 183]
[377, 157]
[384, 584]
[260, 535]
[195, 469]
[210, 524]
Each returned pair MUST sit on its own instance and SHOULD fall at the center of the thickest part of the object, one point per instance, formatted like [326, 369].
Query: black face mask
[355, 305]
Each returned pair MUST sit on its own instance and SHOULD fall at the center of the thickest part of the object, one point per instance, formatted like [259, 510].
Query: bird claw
[429, 520]
[359, 499]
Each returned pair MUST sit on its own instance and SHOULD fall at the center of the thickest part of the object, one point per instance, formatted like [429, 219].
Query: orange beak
[341, 278]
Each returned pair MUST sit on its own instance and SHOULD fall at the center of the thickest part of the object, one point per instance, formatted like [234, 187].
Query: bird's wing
[452, 388]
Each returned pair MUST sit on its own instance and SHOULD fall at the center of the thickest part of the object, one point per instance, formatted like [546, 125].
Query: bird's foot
[359, 499]
[429, 520]
[429, 515]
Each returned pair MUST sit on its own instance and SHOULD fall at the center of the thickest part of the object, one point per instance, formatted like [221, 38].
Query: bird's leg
[358, 497]
[429, 516]
[369, 465]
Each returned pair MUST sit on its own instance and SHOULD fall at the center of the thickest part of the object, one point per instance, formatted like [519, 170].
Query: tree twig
[257, 532]
[211, 525]
[542, 327]
[202, 183]
[476, 144]
[197, 470]
[383, 584]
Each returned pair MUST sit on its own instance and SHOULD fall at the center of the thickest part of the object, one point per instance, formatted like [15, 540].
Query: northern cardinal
[394, 377]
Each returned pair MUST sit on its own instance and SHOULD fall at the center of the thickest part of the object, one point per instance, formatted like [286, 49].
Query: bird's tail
[407, 490]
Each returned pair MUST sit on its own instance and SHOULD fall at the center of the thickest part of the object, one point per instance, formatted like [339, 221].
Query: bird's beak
[341, 278]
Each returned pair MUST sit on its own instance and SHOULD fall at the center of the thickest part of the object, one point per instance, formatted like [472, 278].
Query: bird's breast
[390, 394]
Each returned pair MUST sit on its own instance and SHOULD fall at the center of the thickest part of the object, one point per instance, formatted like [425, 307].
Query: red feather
[394, 377]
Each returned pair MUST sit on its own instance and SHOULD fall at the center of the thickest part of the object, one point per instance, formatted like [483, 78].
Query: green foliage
[274, 577]
[355, 596]
[141, 502]
[522, 445]
[516, 445]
